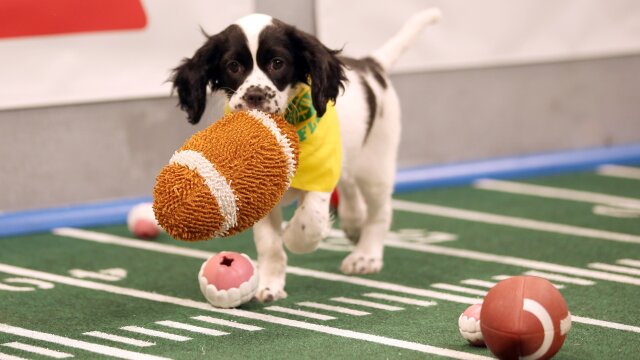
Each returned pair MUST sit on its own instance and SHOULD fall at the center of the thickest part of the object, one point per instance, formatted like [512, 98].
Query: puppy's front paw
[268, 294]
[358, 263]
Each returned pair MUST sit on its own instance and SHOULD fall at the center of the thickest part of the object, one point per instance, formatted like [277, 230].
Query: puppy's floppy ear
[191, 78]
[319, 65]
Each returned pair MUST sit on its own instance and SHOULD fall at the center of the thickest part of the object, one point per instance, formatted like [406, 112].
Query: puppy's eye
[234, 67]
[276, 64]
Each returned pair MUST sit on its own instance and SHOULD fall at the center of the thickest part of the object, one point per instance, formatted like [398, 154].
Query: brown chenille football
[226, 177]
[524, 317]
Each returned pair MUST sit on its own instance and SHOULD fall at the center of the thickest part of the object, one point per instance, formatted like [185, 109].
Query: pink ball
[142, 223]
[228, 270]
[228, 279]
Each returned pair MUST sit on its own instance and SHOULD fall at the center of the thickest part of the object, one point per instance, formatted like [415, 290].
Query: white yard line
[120, 339]
[619, 171]
[156, 333]
[401, 299]
[615, 268]
[460, 289]
[192, 328]
[515, 261]
[365, 303]
[560, 278]
[489, 284]
[556, 193]
[522, 223]
[77, 344]
[140, 294]
[607, 324]
[233, 324]
[479, 283]
[629, 262]
[38, 350]
[4, 356]
[300, 313]
[338, 309]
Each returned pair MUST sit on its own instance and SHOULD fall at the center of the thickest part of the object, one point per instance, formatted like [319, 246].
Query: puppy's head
[257, 62]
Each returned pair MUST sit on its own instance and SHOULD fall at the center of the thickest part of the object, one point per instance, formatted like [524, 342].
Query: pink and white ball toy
[142, 223]
[469, 325]
[228, 279]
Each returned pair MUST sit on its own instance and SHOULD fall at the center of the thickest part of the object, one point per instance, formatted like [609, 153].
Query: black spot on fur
[372, 105]
[367, 65]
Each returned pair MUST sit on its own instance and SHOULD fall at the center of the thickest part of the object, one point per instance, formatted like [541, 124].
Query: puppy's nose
[254, 96]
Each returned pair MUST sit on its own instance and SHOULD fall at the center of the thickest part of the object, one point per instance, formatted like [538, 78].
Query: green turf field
[72, 290]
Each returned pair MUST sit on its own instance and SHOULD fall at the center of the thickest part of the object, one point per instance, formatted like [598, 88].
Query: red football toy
[228, 279]
[524, 317]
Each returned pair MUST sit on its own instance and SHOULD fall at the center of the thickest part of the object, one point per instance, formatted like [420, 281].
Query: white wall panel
[478, 33]
[100, 66]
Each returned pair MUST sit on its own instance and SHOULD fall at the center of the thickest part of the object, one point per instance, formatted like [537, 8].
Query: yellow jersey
[320, 159]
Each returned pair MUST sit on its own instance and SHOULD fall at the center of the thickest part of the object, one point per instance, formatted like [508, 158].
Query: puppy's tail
[391, 51]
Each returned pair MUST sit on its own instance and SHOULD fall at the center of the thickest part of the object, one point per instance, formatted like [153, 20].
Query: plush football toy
[226, 177]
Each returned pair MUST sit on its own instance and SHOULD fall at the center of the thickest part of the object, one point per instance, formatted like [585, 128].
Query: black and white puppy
[259, 63]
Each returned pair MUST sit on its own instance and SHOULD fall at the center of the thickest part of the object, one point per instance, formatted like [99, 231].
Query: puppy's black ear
[191, 78]
[319, 65]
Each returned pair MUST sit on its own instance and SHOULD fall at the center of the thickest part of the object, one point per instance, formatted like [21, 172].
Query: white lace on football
[284, 142]
[217, 184]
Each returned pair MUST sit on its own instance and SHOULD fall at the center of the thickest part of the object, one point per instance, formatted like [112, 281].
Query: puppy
[347, 116]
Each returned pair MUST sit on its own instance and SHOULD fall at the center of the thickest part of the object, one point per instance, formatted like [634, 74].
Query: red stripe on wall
[48, 17]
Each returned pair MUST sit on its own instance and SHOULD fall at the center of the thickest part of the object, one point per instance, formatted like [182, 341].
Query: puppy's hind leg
[272, 260]
[366, 258]
[351, 208]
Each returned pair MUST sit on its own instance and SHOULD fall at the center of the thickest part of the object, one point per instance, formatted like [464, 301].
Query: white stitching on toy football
[284, 142]
[217, 184]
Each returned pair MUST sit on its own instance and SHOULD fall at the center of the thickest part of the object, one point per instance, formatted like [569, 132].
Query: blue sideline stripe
[115, 212]
[43, 220]
[515, 167]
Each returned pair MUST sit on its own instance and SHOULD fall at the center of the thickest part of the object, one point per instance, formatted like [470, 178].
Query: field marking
[490, 284]
[629, 262]
[435, 249]
[132, 243]
[615, 268]
[38, 350]
[5, 287]
[4, 356]
[560, 278]
[86, 274]
[626, 172]
[365, 303]
[120, 339]
[460, 289]
[192, 328]
[233, 324]
[523, 223]
[152, 296]
[338, 309]
[401, 299]
[37, 283]
[479, 283]
[607, 324]
[556, 193]
[77, 344]
[515, 261]
[301, 313]
[155, 333]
